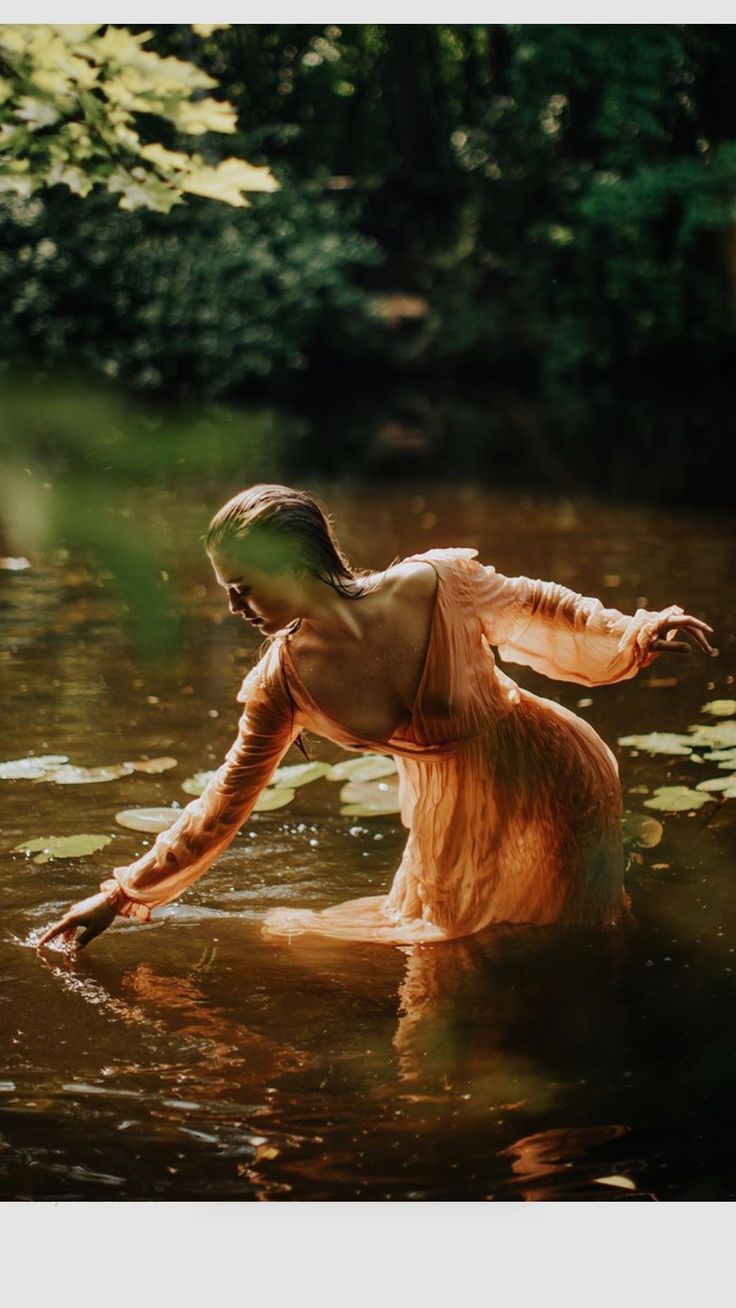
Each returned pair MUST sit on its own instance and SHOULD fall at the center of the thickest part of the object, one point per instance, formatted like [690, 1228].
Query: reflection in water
[555, 1164]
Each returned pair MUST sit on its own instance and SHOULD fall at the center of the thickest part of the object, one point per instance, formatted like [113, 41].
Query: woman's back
[366, 680]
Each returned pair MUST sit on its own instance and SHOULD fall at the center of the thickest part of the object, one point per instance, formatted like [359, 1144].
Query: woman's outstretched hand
[690, 626]
[94, 915]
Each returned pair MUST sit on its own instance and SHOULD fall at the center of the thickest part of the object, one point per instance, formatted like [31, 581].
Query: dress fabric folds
[512, 803]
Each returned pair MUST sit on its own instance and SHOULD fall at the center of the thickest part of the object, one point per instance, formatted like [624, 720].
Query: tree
[75, 104]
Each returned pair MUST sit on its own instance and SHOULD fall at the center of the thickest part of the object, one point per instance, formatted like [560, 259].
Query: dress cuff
[123, 905]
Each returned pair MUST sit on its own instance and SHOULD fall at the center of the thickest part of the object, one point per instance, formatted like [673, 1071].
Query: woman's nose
[235, 603]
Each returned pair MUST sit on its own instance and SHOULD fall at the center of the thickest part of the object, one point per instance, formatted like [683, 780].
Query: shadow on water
[194, 1059]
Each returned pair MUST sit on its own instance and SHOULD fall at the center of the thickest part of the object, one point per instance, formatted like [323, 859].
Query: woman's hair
[280, 529]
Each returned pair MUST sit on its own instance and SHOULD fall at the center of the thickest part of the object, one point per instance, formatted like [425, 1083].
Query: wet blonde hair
[281, 529]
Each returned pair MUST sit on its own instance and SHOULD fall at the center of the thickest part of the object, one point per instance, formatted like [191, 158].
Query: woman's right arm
[206, 827]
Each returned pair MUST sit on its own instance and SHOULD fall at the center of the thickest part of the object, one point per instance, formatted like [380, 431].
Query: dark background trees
[456, 200]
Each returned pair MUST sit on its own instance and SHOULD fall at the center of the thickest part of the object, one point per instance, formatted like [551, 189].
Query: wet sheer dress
[512, 803]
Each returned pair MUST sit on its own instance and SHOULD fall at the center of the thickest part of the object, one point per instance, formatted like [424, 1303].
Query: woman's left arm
[573, 637]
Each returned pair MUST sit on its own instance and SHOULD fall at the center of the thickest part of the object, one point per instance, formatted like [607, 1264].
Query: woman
[512, 803]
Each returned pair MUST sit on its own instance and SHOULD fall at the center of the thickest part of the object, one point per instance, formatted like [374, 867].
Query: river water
[193, 1059]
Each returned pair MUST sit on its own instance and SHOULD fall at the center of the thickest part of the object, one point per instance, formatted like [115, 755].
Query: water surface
[192, 1059]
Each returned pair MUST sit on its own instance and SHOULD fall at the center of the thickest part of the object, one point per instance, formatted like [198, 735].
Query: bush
[203, 300]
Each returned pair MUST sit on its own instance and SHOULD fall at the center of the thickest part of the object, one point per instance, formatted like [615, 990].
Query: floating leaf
[621, 1182]
[641, 831]
[196, 784]
[369, 798]
[367, 767]
[299, 774]
[721, 708]
[675, 799]
[270, 798]
[721, 735]
[152, 764]
[725, 758]
[48, 847]
[28, 769]
[659, 742]
[148, 819]
[70, 775]
[718, 783]
[273, 797]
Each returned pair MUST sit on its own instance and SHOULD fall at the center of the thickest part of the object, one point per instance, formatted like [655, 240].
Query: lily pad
[676, 799]
[369, 798]
[71, 775]
[299, 774]
[367, 767]
[640, 831]
[270, 798]
[29, 769]
[195, 785]
[725, 758]
[721, 708]
[47, 847]
[718, 783]
[148, 819]
[153, 765]
[274, 797]
[722, 735]
[659, 742]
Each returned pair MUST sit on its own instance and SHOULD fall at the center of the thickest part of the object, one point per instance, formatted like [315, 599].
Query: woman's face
[268, 601]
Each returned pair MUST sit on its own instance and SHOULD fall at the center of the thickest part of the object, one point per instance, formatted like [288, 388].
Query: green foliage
[561, 197]
[71, 100]
[203, 300]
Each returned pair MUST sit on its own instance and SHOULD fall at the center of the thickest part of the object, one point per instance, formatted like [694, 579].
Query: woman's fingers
[671, 646]
[63, 926]
[692, 627]
[687, 620]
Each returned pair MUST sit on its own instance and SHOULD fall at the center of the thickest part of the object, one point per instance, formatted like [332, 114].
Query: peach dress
[512, 802]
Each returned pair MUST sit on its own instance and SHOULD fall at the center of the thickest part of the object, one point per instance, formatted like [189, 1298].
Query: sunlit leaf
[148, 819]
[640, 831]
[725, 758]
[620, 1182]
[721, 708]
[206, 29]
[71, 775]
[228, 179]
[48, 847]
[299, 774]
[28, 769]
[198, 116]
[369, 798]
[676, 799]
[659, 742]
[367, 767]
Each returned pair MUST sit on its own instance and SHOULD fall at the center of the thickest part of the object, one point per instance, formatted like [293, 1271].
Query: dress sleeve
[562, 634]
[180, 855]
